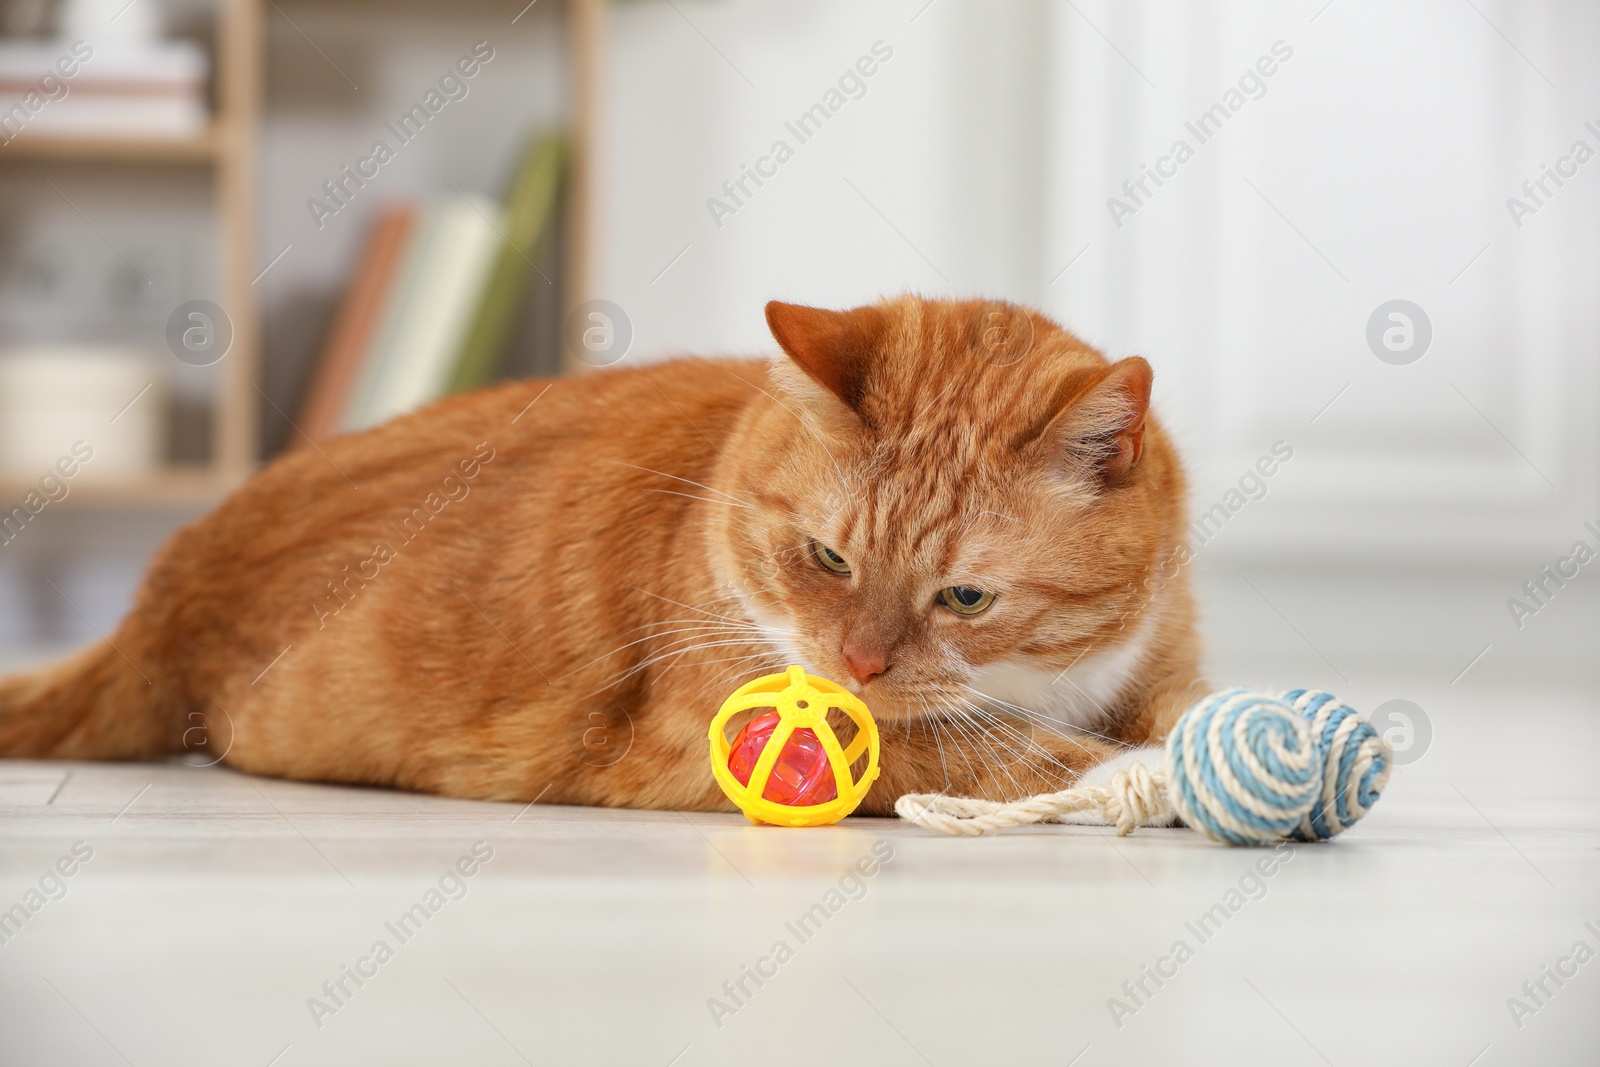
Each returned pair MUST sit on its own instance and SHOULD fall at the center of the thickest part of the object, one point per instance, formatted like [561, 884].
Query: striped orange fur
[546, 588]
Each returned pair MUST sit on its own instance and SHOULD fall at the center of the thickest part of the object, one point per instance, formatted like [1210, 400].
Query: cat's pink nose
[865, 665]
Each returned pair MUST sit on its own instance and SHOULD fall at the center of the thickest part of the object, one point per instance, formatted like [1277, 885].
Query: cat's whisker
[689, 607]
[678, 622]
[1052, 727]
[959, 746]
[660, 655]
[1058, 727]
[1099, 708]
[688, 647]
[1030, 714]
[701, 629]
[733, 661]
[960, 709]
[1030, 746]
[965, 745]
[996, 744]
[970, 728]
[688, 481]
[704, 627]
[1000, 723]
[765, 661]
[703, 499]
[926, 720]
[756, 641]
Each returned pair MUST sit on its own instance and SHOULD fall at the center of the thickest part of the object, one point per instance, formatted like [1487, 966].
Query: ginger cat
[545, 589]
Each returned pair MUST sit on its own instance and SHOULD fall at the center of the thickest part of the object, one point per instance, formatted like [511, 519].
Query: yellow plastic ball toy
[786, 765]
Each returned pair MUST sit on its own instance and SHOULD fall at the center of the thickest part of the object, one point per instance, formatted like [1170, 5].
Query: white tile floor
[215, 905]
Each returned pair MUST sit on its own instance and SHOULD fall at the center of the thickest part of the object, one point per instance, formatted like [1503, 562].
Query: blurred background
[1358, 237]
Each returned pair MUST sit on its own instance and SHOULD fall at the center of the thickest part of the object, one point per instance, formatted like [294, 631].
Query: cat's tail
[94, 705]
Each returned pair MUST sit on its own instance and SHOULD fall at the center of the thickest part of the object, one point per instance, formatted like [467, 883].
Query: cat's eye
[829, 559]
[965, 600]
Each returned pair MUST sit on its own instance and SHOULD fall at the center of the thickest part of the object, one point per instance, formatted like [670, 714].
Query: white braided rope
[1135, 796]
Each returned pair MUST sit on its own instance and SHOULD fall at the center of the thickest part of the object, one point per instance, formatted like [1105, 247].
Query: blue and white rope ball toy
[1242, 768]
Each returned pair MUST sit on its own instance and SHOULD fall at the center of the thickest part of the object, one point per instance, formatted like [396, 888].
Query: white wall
[928, 183]
[1387, 147]
[982, 158]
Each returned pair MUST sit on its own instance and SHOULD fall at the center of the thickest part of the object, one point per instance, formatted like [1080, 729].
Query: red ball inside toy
[802, 775]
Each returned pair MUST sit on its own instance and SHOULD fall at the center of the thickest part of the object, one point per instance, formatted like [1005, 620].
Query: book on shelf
[529, 222]
[339, 368]
[374, 360]
[435, 298]
[77, 89]
[430, 311]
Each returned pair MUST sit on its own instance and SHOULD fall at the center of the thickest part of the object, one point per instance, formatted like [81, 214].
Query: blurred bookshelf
[226, 148]
[226, 154]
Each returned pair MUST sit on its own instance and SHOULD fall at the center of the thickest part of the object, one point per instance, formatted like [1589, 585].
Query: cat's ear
[1102, 426]
[834, 348]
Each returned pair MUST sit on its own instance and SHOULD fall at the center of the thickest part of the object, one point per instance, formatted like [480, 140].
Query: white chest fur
[1079, 697]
